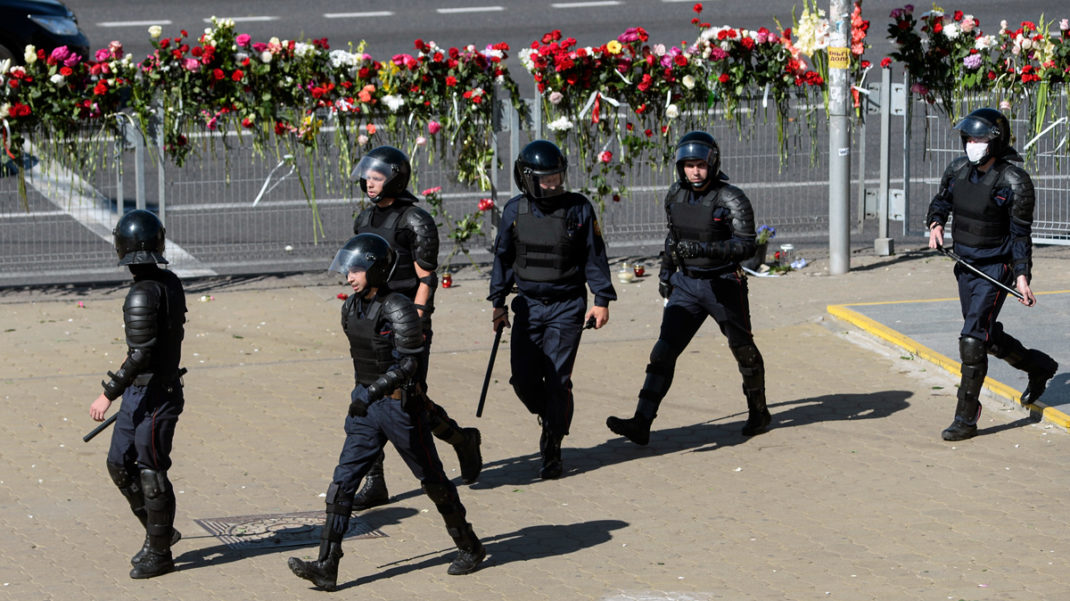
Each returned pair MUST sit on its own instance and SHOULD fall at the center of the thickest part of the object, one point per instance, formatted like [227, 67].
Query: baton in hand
[101, 427]
[953, 256]
[590, 323]
[490, 368]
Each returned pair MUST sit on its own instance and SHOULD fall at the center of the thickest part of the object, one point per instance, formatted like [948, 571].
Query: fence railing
[233, 210]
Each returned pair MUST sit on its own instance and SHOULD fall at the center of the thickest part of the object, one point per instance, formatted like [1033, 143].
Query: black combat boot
[1041, 369]
[470, 552]
[635, 428]
[965, 425]
[374, 492]
[758, 418]
[175, 537]
[550, 448]
[468, 455]
[324, 571]
[153, 563]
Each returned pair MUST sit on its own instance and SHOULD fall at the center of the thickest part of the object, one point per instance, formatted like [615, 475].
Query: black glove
[689, 249]
[665, 289]
[358, 408]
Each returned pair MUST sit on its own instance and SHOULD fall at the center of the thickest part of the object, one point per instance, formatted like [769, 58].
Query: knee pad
[154, 483]
[972, 350]
[337, 500]
[749, 359]
[438, 493]
[122, 478]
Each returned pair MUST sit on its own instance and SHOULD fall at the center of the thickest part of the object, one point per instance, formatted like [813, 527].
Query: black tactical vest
[372, 350]
[979, 222]
[545, 252]
[696, 222]
[404, 279]
[170, 319]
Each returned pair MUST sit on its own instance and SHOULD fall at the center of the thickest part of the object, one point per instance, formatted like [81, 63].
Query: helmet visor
[375, 169]
[544, 184]
[347, 261]
[695, 150]
[977, 128]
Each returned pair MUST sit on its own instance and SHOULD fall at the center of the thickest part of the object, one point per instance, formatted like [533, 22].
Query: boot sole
[619, 431]
[462, 571]
[175, 537]
[139, 575]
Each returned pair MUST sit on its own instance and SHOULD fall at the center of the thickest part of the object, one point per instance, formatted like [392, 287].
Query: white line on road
[244, 19]
[469, 9]
[378, 13]
[585, 4]
[133, 23]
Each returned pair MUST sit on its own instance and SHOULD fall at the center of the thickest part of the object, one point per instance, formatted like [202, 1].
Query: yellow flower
[613, 47]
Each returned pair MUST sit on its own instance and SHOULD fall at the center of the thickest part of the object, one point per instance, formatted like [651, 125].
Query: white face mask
[976, 151]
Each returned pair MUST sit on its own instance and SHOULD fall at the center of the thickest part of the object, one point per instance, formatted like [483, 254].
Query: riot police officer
[149, 383]
[384, 175]
[386, 342]
[991, 200]
[711, 229]
[549, 246]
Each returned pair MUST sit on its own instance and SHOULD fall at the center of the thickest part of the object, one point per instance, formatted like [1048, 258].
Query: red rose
[451, 81]
[218, 74]
[723, 78]
[246, 122]
[65, 71]
[100, 89]
[885, 62]
[237, 75]
[697, 7]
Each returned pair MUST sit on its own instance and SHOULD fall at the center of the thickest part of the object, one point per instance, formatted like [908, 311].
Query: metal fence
[233, 210]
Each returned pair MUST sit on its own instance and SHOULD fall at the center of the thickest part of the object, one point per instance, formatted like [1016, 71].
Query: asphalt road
[391, 27]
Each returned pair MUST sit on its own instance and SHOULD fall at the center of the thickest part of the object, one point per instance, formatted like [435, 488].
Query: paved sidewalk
[851, 495]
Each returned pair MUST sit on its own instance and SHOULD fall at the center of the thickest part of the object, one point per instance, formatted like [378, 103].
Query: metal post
[839, 53]
[139, 166]
[157, 136]
[883, 245]
[907, 117]
[514, 147]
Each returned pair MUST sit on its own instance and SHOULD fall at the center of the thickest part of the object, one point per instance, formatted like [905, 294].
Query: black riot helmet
[986, 124]
[537, 169]
[370, 253]
[698, 145]
[139, 238]
[387, 162]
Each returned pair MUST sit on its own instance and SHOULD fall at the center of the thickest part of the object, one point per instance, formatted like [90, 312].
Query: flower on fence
[765, 233]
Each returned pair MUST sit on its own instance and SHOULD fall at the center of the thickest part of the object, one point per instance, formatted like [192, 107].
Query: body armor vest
[696, 222]
[979, 222]
[371, 350]
[404, 279]
[544, 250]
[170, 320]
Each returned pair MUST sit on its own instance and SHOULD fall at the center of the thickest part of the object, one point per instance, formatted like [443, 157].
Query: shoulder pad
[363, 219]
[140, 312]
[400, 311]
[425, 246]
[957, 165]
[1016, 177]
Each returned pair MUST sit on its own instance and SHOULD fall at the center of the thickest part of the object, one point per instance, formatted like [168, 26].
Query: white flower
[672, 111]
[556, 97]
[560, 124]
[421, 141]
[659, 49]
[984, 42]
[525, 58]
[362, 139]
[155, 31]
[302, 49]
[30, 56]
[5, 65]
[341, 58]
[57, 79]
[5, 108]
[968, 23]
[952, 30]
[265, 57]
[689, 82]
[393, 102]
[1064, 25]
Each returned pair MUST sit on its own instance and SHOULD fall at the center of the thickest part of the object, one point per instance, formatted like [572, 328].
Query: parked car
[46, 24]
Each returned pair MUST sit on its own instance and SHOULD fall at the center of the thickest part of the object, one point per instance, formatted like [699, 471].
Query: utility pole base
[884, 247]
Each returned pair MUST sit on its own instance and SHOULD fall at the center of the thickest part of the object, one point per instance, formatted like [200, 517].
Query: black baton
[490, 368]
[101, 427]
[953, 256]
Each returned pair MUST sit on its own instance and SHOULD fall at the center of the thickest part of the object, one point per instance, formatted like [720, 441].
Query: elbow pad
[136, 361]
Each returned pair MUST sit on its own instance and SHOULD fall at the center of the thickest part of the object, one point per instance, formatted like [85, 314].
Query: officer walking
[991, 200]
[550, 246]
[386, 342]
[149, 383]
[384, 176]
[711, 229]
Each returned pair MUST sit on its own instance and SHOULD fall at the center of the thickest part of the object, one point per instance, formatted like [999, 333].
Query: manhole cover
[278, 529]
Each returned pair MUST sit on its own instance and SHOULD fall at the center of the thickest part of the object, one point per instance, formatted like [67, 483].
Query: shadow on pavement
[707, 436]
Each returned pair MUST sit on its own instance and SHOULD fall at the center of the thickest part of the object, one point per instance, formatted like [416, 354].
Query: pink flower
[60, 54]
[431, 191]
[485, 204]
[433, 127]
[191, 64]
[102, 55]
[116, 49]
[243, 40]
[260, 46]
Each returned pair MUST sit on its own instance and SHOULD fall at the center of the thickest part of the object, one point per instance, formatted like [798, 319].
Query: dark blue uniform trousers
[546, 337]
[145, 428]
[982, 301]
[724, 298]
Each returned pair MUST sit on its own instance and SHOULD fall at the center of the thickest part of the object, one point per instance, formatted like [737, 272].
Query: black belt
[145, 378]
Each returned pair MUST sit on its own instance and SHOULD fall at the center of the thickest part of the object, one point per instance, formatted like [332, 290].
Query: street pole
[839, 89]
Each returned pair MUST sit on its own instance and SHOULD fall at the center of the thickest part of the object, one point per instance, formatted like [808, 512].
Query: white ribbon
[1041, 134]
